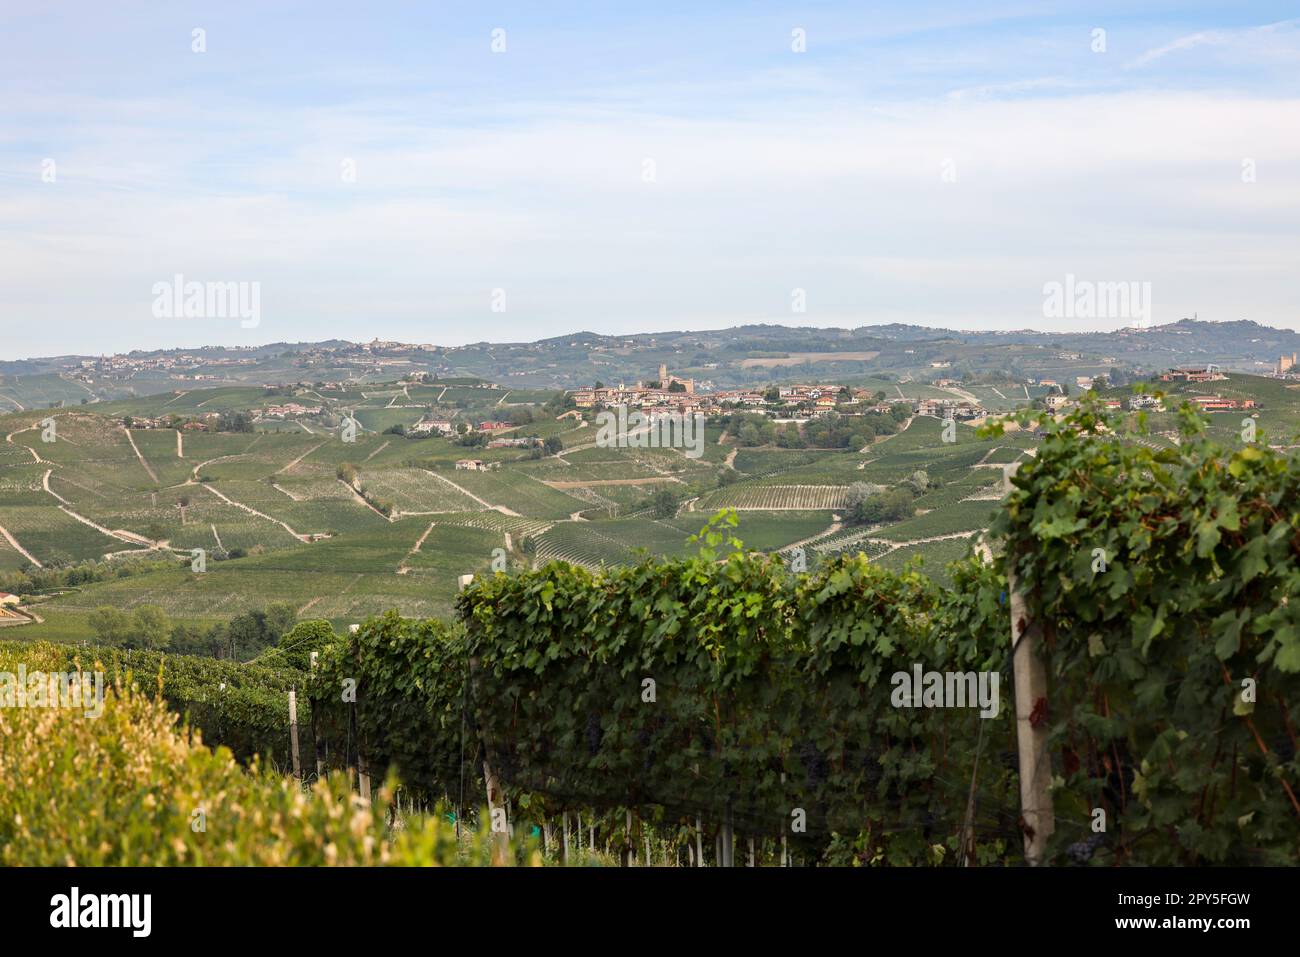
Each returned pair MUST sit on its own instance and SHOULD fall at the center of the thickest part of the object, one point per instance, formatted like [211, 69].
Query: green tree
[112, 625]
[305, 637]
[663, 504]
[150, 628]
[281, 616]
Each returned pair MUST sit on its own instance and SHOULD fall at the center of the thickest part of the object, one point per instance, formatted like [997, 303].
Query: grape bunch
[814, 763]
[1081, 851]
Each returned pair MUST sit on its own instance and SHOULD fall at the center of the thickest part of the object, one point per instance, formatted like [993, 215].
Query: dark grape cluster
[814, 763]
[1081, 851]
[871, 770]
[1283, 747]
[595, 734]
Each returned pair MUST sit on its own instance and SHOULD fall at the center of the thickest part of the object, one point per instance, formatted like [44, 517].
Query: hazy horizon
[577, 332]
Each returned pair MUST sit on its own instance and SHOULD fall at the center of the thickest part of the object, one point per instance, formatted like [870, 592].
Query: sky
[461, 172]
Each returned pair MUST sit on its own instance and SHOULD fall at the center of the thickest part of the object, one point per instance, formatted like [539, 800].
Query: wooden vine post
[315, 726]
[500, 835]
[498, 818]
[1037, 818]
[293, 732]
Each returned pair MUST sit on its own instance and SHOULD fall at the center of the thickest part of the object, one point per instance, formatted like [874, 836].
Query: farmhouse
[8, 599]
[471, 465]
[1206, 373]
[1215, 403]
[428, 428]
[289, 409]
[946, 409]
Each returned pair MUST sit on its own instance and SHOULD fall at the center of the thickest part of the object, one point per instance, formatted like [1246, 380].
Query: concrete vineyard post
[293, 732]
[1030, 671]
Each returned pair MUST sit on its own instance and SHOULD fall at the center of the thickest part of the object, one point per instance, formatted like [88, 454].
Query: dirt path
[496, 508]
[600, 482]
[375, 452]
[824, 533]
[21, 407]
[217, 537]
[194, 472]
[121, 534]
[136, 449]
[876, 440]
[730, 460]
[895, 545]
[286, 492]
[961, 394]
[19, 549]
[403, 568]
[252, 511]
[10, 439]
[45, 482]
[298, 459]
[361, 500]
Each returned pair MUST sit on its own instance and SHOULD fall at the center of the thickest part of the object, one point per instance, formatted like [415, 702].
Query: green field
[277, 524]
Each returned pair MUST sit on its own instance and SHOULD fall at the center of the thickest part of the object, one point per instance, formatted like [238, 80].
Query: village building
[1206, 373]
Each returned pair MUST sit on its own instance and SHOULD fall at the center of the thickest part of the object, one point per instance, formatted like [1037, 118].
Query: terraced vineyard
[417, 491]
[518, 492]
[776, 497]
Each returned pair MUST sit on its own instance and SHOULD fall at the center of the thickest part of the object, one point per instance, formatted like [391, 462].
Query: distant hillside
[743, 355]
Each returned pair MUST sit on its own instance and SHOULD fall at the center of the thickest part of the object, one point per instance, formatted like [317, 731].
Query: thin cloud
[1245, 39]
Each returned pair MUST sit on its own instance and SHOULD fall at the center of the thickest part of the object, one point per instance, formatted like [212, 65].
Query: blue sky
[638, 167]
